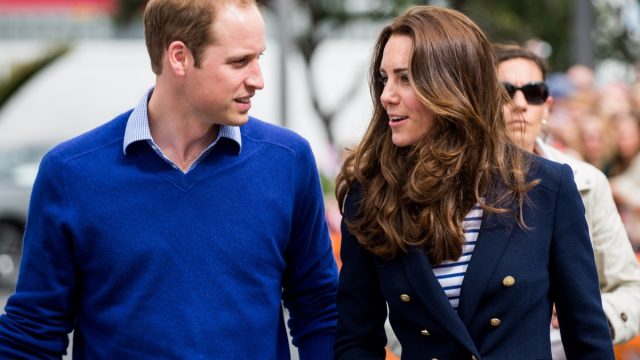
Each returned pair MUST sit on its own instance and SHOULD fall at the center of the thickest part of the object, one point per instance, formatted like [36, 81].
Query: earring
[544, 127]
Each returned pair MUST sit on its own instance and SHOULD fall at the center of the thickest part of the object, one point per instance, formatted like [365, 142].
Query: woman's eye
[382, 80]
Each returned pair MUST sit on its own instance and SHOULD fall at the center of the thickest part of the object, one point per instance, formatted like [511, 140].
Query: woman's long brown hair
[417, 196]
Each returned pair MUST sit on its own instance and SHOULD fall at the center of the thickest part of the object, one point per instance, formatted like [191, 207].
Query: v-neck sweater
[143, 261]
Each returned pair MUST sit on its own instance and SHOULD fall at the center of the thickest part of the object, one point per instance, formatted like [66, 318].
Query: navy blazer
[514, 277]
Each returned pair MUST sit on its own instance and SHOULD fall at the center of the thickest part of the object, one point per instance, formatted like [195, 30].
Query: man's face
[523, 120]
[229, 73]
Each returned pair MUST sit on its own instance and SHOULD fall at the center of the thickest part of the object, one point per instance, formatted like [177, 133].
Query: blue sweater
[143, 261]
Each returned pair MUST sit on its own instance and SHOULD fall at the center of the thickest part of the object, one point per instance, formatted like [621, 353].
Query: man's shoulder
[259, 131]
[92, 140]
[548, 172]
[540, 166]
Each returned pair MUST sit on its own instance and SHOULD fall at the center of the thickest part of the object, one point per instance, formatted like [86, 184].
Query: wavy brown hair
[417, 196]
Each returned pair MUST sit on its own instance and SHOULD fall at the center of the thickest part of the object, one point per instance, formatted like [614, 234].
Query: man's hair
[189, 21]
[418, 196]
[506, 52]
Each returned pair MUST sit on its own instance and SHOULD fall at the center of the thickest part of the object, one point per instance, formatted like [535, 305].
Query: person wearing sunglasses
[522, 74]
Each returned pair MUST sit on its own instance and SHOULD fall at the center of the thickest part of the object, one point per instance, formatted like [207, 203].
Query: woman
[464, 237]
[618, 270]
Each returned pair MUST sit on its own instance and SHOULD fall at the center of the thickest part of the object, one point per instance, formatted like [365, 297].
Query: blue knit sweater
[143, 261]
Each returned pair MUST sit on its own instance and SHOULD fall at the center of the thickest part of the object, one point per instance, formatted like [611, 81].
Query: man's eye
[240, 62]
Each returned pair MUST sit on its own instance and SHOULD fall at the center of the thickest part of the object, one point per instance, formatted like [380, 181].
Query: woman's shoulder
[548, 172]
[351, 201]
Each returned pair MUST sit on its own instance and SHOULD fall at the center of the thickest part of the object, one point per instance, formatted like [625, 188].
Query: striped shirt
[451, 273]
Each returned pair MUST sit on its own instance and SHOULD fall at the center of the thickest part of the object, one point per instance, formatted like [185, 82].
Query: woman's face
[523, 120]
[408, 118]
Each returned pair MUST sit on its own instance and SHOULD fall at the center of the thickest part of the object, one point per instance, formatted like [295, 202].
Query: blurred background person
[626, 132]
[523, 74]
[625, 174]
[596, 140]
[626, 191]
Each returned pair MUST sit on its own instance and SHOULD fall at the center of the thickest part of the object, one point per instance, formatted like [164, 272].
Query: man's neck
[180, 135]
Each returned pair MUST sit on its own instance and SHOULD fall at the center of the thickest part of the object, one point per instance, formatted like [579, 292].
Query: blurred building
[56, 19]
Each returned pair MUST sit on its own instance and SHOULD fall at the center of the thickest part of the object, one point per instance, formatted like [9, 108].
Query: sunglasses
[535, 93]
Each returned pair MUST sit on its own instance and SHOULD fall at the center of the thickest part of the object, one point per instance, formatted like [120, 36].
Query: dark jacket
[497, 318]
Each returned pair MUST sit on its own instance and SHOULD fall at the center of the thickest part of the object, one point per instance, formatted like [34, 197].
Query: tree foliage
[522, 20]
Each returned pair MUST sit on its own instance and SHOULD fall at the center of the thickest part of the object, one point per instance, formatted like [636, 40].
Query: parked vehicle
[18, 169]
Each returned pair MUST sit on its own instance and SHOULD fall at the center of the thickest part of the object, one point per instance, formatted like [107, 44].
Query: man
[176, 230]
[523, 75]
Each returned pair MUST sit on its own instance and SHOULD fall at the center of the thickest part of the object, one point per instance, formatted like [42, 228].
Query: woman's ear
[178, 58]
[547, 106]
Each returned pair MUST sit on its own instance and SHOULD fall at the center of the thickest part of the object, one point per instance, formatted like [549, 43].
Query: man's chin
[238, 120]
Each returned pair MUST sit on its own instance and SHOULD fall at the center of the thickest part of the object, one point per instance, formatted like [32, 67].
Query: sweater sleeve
[310, 279]
[40, 314]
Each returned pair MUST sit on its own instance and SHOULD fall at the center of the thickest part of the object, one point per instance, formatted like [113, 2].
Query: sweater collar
[138, 127]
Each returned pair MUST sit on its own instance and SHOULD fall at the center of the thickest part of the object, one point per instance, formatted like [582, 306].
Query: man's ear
[178, 57]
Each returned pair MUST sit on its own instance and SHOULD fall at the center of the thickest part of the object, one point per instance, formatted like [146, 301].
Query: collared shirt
[138, 130]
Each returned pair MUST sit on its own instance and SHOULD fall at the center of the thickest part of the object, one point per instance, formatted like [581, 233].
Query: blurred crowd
[601, 125]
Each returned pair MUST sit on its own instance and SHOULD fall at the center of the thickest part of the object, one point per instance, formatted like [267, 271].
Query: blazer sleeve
[617, 265]
[574, 280]
[361, 305]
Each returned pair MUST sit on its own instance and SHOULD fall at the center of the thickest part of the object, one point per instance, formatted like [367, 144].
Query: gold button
[434, 358]
[473, 357]
[405, 298]
[624, 317]
[508, 281]
[424, 332]
[495, 322]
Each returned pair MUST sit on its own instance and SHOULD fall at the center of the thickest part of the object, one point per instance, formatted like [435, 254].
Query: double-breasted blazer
[514, 277]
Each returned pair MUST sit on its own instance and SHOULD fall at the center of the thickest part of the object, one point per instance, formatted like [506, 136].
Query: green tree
[128, 11]
[617, 34]
[522, 20]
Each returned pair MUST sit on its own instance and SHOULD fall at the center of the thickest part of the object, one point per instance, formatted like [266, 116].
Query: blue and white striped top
[451, 273]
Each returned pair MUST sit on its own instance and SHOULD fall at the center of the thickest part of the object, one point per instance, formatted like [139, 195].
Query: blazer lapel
[494, 235]
[419, 273]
